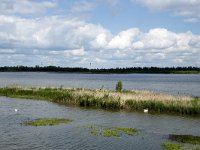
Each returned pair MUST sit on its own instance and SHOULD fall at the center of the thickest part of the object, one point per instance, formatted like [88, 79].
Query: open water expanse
[154, 129]
[169, 83]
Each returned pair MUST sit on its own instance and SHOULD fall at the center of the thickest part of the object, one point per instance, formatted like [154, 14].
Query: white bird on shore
[146, 110]
[16, 110]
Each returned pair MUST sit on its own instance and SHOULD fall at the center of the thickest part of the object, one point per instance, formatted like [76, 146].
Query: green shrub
[119, 86]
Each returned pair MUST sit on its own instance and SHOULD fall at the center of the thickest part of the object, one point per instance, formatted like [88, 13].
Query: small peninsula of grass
[111, 132]
[112, 100]
[47, 122]
[189, 139]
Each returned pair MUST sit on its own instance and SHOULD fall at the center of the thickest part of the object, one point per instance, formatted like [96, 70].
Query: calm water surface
[169, 83]
[154, 129]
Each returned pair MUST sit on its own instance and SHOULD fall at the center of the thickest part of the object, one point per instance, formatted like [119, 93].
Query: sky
[100, 33]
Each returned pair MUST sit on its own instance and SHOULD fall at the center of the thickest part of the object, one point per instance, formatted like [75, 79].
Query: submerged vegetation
[185, 142]
[47, 122]
[110, 132]
[189, 139]
[112, 100]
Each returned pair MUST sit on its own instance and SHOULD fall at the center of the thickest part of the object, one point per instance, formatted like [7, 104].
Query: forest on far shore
[165, 70]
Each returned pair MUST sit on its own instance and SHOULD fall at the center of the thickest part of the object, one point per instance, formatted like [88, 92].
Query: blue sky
[106, 33]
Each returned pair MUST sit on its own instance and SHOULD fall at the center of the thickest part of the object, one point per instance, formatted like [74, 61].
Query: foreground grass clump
[112, 100]
[172, 146]
[111, 132]
[189, 139]
[47, 122]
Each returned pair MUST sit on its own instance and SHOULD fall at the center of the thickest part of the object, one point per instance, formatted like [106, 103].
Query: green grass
[47, 122]
[172, 146]
[189, 139]
[110, 100]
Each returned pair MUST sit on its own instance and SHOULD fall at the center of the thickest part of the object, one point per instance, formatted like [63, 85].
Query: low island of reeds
[111, 100]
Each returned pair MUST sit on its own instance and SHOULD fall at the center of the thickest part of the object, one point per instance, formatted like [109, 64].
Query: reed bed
[112, 100]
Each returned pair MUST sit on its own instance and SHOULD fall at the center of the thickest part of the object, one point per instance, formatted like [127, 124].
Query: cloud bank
[68, 41]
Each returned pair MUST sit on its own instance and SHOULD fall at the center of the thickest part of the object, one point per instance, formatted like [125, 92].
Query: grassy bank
[105, 99]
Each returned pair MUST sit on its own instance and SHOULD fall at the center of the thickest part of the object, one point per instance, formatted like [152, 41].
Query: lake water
[154, 129]
[186, 84]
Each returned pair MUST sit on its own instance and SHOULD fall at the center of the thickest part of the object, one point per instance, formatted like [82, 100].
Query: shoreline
[136, 100]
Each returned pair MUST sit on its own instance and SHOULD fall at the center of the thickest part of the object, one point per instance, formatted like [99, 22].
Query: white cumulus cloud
[124, 39]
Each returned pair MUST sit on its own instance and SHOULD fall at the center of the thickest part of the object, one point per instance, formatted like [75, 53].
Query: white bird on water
[16, 110]
[146, 110]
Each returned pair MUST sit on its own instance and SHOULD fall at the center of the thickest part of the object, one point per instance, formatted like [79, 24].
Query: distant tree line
[165, 70]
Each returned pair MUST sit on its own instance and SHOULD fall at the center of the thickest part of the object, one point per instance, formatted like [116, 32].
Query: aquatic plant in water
[111, 132]
[186, 142]
[47, 122]
[189, 139]
[129, 131]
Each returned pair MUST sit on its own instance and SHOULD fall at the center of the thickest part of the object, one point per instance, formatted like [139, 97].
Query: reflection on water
[154, 128]
[169, 83]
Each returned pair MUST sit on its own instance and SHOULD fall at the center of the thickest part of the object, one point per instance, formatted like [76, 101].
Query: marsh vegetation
[111, 100]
